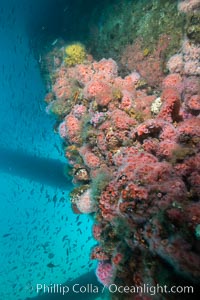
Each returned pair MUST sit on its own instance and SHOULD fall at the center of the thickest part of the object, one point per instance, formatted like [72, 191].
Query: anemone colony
[132, 140]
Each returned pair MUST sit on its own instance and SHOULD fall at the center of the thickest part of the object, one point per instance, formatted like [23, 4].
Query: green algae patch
[122, 22]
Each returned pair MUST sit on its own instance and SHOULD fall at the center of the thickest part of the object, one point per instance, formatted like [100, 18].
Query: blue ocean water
[41, 240]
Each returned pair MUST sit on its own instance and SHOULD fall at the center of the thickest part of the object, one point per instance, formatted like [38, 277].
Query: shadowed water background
[37, 227]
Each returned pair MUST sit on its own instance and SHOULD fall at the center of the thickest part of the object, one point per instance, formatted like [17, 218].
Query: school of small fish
[41, 240]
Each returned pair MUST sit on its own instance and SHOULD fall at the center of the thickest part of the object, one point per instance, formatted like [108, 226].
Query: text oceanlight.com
[150, 289]
[113, 288]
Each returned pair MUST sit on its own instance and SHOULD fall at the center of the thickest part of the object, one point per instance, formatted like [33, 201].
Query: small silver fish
[54, 42]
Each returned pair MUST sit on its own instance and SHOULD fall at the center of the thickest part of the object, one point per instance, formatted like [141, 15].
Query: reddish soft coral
[101, 91]
[171, 105]
[107, 68]
[121, 120]
[193, 103]
[90, 159]
[148, 206]
[149, 66]
[73, 128]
